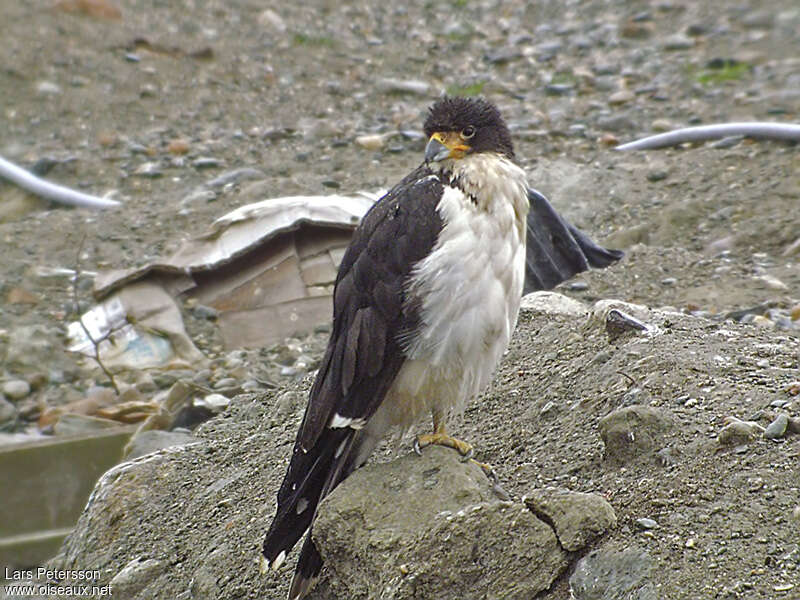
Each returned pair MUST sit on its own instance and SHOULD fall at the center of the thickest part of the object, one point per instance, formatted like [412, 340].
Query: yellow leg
[439, 437]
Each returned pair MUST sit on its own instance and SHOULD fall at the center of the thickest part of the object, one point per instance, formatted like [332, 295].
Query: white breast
[470, 287]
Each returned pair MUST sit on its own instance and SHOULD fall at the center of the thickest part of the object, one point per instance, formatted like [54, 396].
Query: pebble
[669, 281]
[657, 173]
[7, 412]
[662, 125]
[199, 196]
[405, 86]
[726, 142]
[206, 162]
[148, 169]
[738, 432]
[235, 176]
[214, 402]
[645, 523]
[618, 122]
[48, 88]
[371, 141]
[227, 382]
[796, 514]
[16, 389]
[678, 41]
[269, 18]
[777, 428]
[773, 283]
[621, 97]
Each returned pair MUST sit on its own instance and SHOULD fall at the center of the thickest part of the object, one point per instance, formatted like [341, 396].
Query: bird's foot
[442, 439]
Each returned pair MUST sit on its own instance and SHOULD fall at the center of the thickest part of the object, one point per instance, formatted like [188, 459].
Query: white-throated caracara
[426, 300]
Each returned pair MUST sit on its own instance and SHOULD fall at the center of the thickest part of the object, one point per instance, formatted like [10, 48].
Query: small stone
[727, 142]
[678, 41]
[206, 162]
[611, 573]
[616, 123]
[178, 146]
[633, 432]
[669, 281]
[148, 90]
[777, 428]
[269, 18]
[738, 432]
[662, 125]
[657, 173]
[371, 142]
[773, 283]
[578, 286]
[690, 543]
[405, 86]
[577, 518]
[132, 57]
[227, 382]
[621, 97]
[48, 88]
[796, 514]
[8, 412]
[148, 169]
[762, 321]
[16, 389]
[759, 19]
[136, 576]
[645, 523]
[213, 402]
[199, 196]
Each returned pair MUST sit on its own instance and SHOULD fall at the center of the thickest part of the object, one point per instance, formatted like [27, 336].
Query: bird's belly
[470, 288]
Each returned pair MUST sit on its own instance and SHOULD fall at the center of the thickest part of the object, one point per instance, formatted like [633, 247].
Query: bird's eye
[467, 132]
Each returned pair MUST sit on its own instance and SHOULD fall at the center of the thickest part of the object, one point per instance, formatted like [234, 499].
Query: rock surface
[430, 527]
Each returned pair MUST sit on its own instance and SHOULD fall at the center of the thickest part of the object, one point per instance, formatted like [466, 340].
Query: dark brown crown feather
[454, 113]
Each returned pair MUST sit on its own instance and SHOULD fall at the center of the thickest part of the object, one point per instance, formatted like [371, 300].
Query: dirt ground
[153, 104]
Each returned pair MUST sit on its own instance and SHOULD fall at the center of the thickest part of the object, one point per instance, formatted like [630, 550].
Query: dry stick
[50, 191]
[95, 343]
[703, 133]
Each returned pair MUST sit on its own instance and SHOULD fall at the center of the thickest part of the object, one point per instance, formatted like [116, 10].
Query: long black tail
[310, 477]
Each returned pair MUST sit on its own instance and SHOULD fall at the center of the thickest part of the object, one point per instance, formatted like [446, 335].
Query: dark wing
[556, 250]
[363, 355]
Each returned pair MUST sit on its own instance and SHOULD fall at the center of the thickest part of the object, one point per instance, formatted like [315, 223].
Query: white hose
[50, 191]
[756, 129]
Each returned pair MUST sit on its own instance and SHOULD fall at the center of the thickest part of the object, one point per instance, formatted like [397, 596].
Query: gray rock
[634, 432]
[610, 574]
[206, 162]
[578, 519]
[553, 303]
[405, 86]
[679, 41]
[645, 523]
[738, 432]
[777, 428]
[136, 576]
[8, 412]
[431, 527]
[16, 389]
[146, 442]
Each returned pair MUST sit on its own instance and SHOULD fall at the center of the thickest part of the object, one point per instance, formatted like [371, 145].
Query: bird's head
[457, 127]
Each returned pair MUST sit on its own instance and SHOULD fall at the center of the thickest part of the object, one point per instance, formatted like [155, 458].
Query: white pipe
[50, 191]
[756, 129]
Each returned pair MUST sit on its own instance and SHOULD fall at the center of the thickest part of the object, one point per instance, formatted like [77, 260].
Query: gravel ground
[153, 105]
